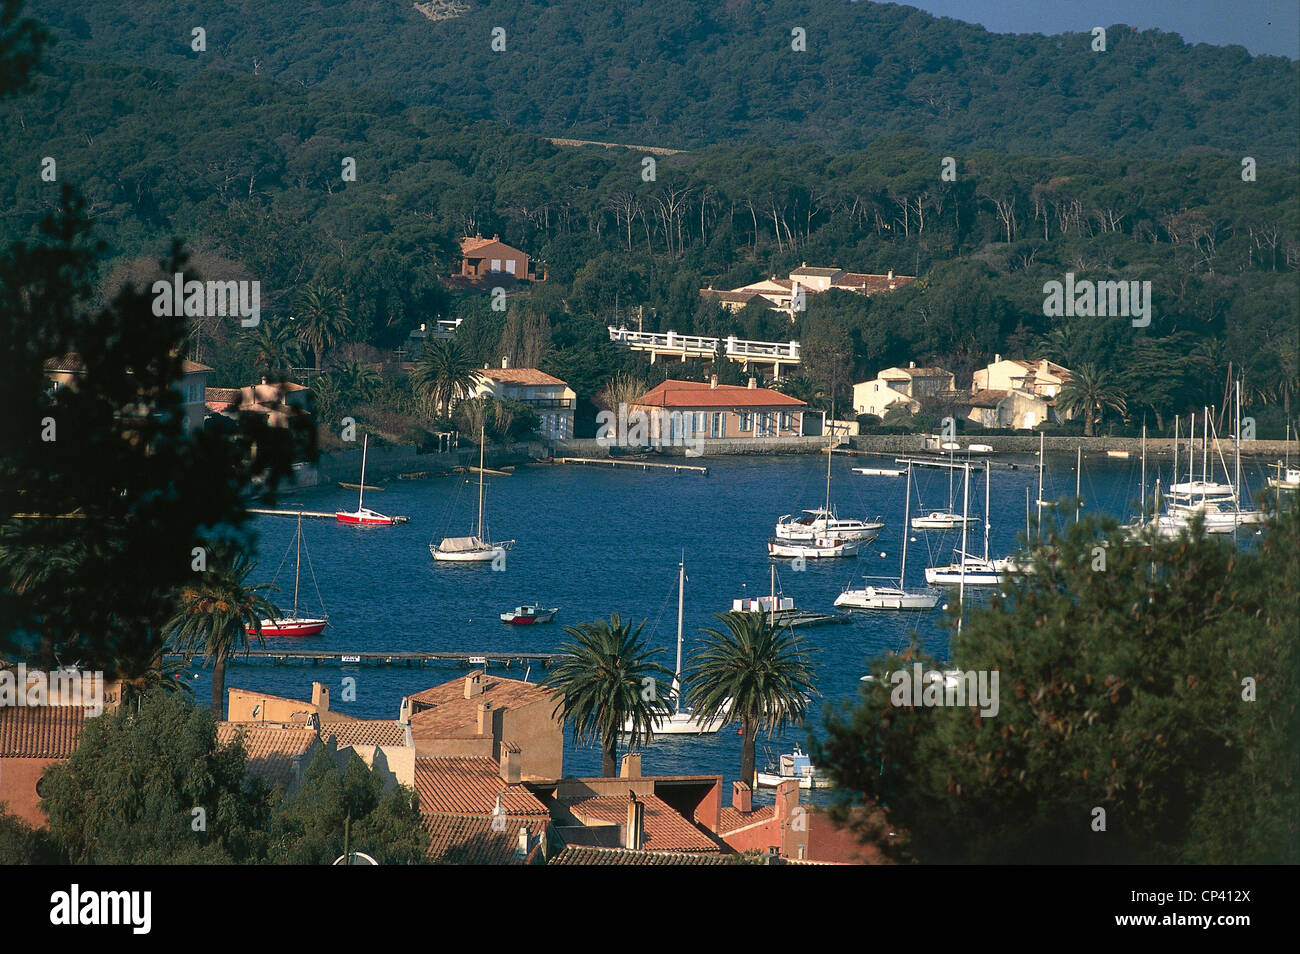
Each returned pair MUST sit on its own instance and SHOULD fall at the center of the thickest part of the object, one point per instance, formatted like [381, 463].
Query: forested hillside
[247, 170]
[684, 74]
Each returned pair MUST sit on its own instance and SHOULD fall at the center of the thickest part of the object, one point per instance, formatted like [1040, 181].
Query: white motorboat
[942, 520]
[682, 721]
[1291, 480]
[878, 471]
[794, 765]
[980, 449]
[815, 547]
[891, 597]
[529, 614]
[823, 523]
[473, 548]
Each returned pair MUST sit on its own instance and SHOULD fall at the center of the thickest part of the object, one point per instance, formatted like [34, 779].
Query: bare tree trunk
[609, 756]
[747, 753]
[219, 687]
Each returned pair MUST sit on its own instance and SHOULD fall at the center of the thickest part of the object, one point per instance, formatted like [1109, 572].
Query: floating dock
[798, 619]
[339, 657]
[642, 464]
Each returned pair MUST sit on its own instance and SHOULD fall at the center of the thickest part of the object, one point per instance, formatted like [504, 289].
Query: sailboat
[944, 519]
[363, 516]
[1292, 479]
[971, 570]
[295, 625]
[682, 721]
[474, 548]
[820, 533]
[891, 597]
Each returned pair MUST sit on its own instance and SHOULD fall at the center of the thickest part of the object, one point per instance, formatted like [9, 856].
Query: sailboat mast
[965, 512]
[907, 512]
[297, 573]
[1143, 488]
[771, 607]
[1040, 485]
[988, 475]
[830, 452]
[681, 596]
[1078, 479]
[1236, 444]
[481, 440]
[361, 492]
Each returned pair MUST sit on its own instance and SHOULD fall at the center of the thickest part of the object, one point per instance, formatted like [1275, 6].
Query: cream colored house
[783, 294]
[906, 387]
[552, 399]
[1042, 378]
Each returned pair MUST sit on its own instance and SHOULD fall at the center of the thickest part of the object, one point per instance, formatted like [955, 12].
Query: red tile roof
[365, 732]
[271, 749]
[465, 785]
[622, 856]
[664, 829]
[40, 732]
[732, 819]
[444, 710]
[473, 839]
[987, 398]
[692, 394]
[72, 361]
[529, 377]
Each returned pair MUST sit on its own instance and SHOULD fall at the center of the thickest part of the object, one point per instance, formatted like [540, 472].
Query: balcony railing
[701, 345]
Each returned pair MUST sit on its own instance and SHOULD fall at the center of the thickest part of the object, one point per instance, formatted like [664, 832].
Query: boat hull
[816, 549]
[486, 555]
[292, 627]
[886, 598]
[363, 518]
[953, 576]
[942, 521]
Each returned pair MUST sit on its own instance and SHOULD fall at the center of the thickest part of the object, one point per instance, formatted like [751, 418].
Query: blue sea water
[596, 541]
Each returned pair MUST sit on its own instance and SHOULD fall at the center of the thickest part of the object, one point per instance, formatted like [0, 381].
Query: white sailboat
[945, 519]
[682, 721]
[363, 516]
[891, 597]
[971, 570]
[1291, 480]
[473, 548]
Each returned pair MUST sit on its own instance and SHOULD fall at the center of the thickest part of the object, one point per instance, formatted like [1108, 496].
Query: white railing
[701, 345]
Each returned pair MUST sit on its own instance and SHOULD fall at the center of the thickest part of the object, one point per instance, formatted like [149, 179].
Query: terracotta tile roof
[74, 362]
[523, 376]
[444, 710]
[692, 394]
[987, 398]
[365, 732]
[871, 284]
[271, 749]
[475, 246]
[222, 396]
[40, 732]
[731, 819]
[664, 828]
[193, 367]
[717, 295]
[472, 839]
[623, 856]
[465, 785]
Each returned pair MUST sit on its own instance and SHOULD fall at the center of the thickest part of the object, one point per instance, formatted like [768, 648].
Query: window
[496, 264]
[701, 422]
[785, 421]
[746, 421]
[510, 266]
[717, 426]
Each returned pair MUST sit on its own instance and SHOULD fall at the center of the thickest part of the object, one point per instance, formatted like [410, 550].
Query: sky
[1261, 26]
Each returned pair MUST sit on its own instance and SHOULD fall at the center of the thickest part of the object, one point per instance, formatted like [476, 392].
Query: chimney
[631, 766]
[484, 718]
[404, 713]
[997, 358]
[522, 849]
[911, 364]
[742, 798]
[511, 769]
[713, 381]
[890, 276]
[753, 385]
[320, 696]
[635, 830]
[787, 799]
[474, 684]
[804, 265]
[505, 362]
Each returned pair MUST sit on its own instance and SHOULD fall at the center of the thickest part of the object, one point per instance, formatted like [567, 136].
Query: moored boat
[363, 516]
[528, 614]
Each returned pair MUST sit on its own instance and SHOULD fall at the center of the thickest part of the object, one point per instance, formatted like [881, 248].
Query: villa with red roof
[552, 399]
[708, 410]
[492, 259]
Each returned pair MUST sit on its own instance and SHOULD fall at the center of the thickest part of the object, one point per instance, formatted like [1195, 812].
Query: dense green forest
[247, 170]
[681, 74]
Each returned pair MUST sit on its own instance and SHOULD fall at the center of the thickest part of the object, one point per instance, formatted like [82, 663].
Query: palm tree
[445, 373]
[606, 680]
[1089, 391]
[275, 350]
[755, 672]
[322, 318]
[216, 613]
[358, 382]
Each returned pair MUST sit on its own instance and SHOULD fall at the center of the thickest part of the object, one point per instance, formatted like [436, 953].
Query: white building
[552, 399]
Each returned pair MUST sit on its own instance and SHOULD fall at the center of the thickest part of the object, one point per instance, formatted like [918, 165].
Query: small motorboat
[528, 614]
[795, 765]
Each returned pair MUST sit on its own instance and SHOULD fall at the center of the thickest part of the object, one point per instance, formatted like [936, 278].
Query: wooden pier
[309, 513]
[338, 657]
[798, 619]
[643, 464]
